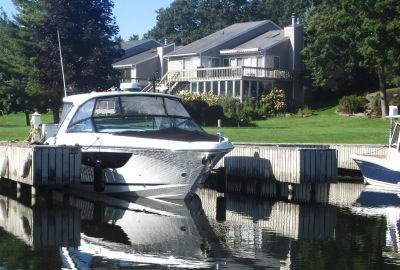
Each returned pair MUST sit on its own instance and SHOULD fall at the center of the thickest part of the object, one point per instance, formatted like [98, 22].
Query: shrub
[207, 97]
[207, 108]
[214, 113]
[230, 106]
[352, 104]
[198, 109]
[304, 112]
[272, 103]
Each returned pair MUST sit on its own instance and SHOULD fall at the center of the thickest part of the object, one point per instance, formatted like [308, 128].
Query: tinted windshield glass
[133, 113]
[65, 110]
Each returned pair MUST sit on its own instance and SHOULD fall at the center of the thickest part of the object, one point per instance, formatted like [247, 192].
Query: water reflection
[384, 204]
[141, 231]
[344, 227]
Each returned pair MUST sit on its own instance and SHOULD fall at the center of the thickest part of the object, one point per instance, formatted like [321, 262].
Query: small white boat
[384, 171]
[143, 143]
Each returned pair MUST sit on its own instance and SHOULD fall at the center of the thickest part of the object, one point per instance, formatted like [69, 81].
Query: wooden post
[219, 88]
[234, 88]
[257, 89]
[241, 91]
[197, 89]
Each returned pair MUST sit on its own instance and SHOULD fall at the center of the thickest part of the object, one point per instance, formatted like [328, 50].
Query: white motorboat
[143, 143]
[384, 171]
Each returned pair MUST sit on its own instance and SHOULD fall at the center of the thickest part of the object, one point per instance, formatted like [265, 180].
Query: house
[141, 62]
[244, 60]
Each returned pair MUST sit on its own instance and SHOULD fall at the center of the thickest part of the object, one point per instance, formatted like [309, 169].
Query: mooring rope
[376, 150]
[90, 146]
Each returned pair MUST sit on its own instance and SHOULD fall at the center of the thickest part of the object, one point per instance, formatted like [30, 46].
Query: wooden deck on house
[227, 73]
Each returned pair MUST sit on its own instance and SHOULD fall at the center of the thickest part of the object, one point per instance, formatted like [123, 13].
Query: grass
[12, 126]
[325, 126]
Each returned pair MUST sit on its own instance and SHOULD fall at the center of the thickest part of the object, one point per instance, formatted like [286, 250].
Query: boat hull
[378, 172]
[158, 173]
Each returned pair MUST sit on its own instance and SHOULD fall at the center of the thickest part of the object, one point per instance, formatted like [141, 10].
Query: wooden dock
[40, 165]
[295, 163]
[283, 163]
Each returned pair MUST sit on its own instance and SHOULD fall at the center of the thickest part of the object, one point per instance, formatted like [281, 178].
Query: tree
[88, 39]
[16, 89]
[344, 49]
[377, 36]
[330, 56]
[133, 37]
[185, 21]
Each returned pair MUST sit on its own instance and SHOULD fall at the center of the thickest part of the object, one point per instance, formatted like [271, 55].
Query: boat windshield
[132, 113]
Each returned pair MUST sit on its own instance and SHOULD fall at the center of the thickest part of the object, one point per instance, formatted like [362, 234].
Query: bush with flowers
[272, 103]
[207, 108]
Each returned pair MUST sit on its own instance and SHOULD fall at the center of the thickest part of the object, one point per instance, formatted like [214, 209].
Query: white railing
[221, 73]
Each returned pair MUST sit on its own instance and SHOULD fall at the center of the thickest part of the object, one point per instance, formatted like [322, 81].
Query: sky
[132, 16]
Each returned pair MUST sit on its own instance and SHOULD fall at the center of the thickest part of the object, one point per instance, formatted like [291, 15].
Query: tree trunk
[27, 121]
[56, 115]
[382, 90]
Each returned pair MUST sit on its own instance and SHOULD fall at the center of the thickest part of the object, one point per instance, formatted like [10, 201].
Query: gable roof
[135, 47]
[137, 58]
[220, 37]
[135, 43]
[262, 42]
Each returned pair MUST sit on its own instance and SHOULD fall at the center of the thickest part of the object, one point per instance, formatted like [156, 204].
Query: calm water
[346, 227]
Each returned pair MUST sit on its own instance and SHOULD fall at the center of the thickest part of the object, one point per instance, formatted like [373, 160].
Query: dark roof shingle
[218, 38]
[137, 58]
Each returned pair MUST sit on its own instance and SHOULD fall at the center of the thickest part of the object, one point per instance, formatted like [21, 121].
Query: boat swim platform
[40, 165]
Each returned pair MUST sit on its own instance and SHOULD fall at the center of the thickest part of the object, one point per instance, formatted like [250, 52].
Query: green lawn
[12, 126]
[324, 126]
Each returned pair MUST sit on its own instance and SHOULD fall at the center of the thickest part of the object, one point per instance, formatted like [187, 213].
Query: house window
[215, 87]
[222, 92]
[232, 62]
[187, 63]
[226, 62]
[214, 62]
[240, 62]
[247, 62]
[276, 62]
[253, 61]
[260, 61]
[126, 75]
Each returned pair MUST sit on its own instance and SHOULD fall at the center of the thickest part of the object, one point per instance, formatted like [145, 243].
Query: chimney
[295, 34]
[165, 41]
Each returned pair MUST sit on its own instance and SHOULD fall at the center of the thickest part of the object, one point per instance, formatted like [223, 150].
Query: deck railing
[226, 73]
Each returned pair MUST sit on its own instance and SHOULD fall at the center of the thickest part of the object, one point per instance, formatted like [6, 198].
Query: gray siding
[283, 51]
[147, 70]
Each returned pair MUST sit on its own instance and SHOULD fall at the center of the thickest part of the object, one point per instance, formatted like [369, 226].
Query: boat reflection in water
[347, 225]
[382, 203]
[141, 231]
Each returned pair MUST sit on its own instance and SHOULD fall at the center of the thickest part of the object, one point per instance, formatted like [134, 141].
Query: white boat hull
[157, 173]
[378, 172]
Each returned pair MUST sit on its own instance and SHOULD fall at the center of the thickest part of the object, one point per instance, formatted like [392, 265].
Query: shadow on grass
[12, 125]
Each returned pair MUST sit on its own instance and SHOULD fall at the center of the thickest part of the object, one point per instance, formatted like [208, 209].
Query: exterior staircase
[166, 85]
